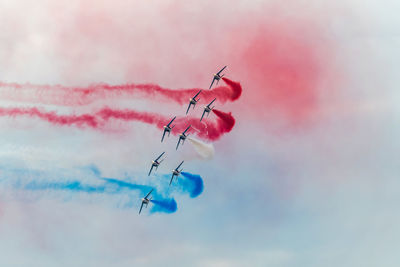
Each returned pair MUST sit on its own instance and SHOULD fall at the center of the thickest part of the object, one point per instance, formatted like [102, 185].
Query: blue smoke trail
[160, 204]
[165, 205]
[95, 170]
[193, 184]
[123, 184]
[33, 180]
[70, 186]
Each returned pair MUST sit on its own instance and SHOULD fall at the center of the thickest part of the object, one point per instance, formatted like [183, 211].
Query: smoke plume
[165, 205]
[211, 130]
[77, 96]
[194, 182]
[206, 151]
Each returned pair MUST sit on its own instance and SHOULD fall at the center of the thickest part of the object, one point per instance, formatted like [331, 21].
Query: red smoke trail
[208, 130]
[211, 130]
[132, 115]
[235, 86]
[75, 96]
[52, 117]
[228, 121]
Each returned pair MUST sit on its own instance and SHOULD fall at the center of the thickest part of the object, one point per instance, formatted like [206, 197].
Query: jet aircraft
[176, 172]
[217, 77]
[145, 201]
[183, 137]
[155, 163]
[207, 109]
[193, 101]
[168, 128]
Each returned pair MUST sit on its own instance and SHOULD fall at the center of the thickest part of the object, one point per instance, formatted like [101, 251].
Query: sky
[299, 167]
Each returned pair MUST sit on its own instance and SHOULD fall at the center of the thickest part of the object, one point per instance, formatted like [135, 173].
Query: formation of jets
[182, 137]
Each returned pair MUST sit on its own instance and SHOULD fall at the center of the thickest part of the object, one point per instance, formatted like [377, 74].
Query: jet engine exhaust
[192, 183]
[165, 205]
[209, 130]
[206, 151]
[79, 96]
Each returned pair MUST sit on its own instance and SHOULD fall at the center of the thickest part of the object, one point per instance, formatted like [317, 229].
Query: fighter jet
[207, 109]
[176, 172]
[217, 76]
[145, 201]
[182, 137]
[155, 163]
[193, 101]
[168, 128]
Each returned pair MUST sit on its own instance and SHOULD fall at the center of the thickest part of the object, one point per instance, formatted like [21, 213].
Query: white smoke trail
[206, 151]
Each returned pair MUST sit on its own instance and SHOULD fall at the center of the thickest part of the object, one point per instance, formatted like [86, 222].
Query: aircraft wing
[148, 194]
[211, 102]
[141, 206]
[212, 83]
[180, 164]
[171, 121]
[221, 70]
[172, 178]
[188, 107]
[204, 112]
[162, 138]
[160, 156]
[187, 129]
[197, 94]
[150, 169]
